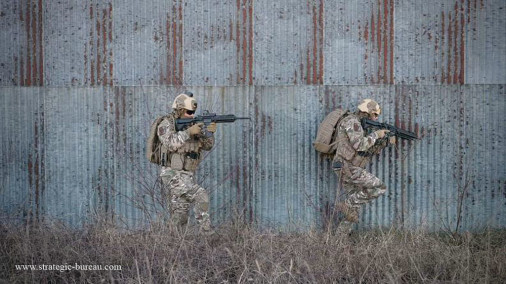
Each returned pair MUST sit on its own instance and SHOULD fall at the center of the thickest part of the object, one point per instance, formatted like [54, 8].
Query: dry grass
[238, 253]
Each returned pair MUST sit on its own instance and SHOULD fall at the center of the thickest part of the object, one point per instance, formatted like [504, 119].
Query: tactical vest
[186, 158]
[344, 150]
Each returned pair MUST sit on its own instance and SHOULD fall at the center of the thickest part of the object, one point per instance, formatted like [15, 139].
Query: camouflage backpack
[325, 137]
[154, 145]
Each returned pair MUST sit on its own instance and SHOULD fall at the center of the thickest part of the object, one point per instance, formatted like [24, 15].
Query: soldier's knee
[203, 206]
[380, 189]
[203, 203]
[202, 199]
[180, 218]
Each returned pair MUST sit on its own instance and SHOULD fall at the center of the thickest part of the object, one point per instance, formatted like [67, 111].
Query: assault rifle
[206, 118]
[394, 131]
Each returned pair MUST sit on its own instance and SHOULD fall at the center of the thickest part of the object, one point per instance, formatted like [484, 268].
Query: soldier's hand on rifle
[212, 127]
[392, 140]
[381, 133]
[195, 129]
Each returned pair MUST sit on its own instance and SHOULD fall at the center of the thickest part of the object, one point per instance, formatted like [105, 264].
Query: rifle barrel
[401, 133]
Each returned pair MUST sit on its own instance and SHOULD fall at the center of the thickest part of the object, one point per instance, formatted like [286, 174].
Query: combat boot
[349, 212]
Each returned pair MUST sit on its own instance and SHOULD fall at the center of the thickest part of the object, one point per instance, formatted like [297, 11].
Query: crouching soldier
[181, 153]
[354, 149]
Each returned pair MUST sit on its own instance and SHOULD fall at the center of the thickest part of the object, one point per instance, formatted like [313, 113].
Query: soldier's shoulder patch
[356, 126]
[161, 131]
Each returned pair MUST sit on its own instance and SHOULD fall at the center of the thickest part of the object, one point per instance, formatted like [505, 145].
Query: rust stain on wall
[173, 66]
[247, 188]
[313, 71]
[98, 53]
[31, 64]
[330, 101]
[113, 124]
[378, 36]
[243, 195]
[244, 41]
[405, 110]
[118, 110]
[453, 45]
[453, 27]
[36, 167]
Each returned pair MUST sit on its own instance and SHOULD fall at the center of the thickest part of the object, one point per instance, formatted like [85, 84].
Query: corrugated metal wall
[81, 81]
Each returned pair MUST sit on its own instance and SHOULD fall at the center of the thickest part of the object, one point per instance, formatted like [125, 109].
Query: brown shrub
[239, 253]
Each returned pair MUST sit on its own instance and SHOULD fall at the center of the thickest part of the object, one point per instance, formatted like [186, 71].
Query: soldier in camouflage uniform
[181, 154]
[354, 151]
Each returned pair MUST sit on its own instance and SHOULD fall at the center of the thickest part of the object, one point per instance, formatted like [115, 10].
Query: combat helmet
[185, 101]
[369, 106]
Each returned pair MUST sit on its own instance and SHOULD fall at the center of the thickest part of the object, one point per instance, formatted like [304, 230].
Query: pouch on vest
[190, 164]
[325, 136]
[177, 161]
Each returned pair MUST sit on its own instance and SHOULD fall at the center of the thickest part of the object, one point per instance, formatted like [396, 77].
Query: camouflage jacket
[354, 145]
[180, 141]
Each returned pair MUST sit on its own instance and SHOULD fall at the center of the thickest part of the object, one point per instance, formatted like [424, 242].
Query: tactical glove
[392, 140]
[195, 129]
[211, 127]
[381, 133]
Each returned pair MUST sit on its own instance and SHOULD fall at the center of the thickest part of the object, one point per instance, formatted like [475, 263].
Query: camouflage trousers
[183, 192]
[360, 187]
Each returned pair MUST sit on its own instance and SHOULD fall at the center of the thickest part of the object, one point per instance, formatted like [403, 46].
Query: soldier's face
[188, 114]
[373, 116]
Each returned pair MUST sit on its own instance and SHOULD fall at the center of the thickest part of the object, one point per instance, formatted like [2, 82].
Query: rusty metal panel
[74, 151]
[450, 42]
[413, 42]
[21, 42]
[431, 41]
[71, 153]
[22, 152]
[66, 29]
[421, 172]
[359, 42]
[246, 42]
[111, 43]
[485, 42]
[98, 58]
[483, 181]
[285, 164]
[142, 34]
[288, 42]
[11, 42]
[218, 42]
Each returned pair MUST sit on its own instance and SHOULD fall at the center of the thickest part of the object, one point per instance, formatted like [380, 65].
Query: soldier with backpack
[179, 153]
[342, 132]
